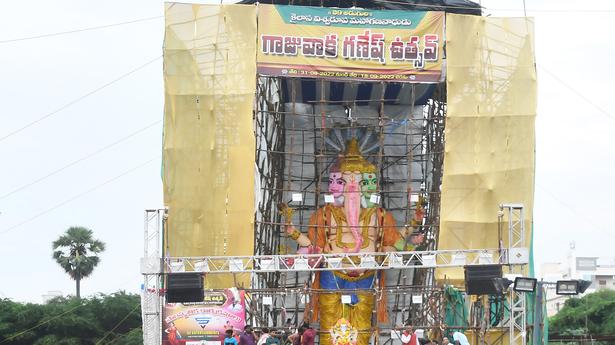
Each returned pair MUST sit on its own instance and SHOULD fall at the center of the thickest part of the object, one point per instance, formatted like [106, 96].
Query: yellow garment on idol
[379, 231]
[359, 315]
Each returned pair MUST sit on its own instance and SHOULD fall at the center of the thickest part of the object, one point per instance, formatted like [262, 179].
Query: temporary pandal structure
[442, 151]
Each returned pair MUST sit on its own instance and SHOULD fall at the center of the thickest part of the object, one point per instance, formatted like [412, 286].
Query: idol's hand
[286, 212]
[289, 228]
[417, 239]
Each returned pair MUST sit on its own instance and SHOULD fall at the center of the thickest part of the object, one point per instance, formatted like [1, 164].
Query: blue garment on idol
[329, 281]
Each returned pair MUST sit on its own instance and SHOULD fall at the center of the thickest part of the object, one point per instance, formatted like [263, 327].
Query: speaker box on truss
[479, 279]
[184, 287]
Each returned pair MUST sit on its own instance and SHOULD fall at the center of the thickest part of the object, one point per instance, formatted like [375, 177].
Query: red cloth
[308, 337]
[414, 339]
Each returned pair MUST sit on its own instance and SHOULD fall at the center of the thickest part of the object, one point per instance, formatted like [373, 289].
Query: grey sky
[575, 141]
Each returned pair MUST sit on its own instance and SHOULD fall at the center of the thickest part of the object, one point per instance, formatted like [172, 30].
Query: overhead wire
[75, 162]
[588, 220]
[578, 93]
[78, 99]
[38, 215]
[435, 6]
[118, 324]
[79, 30]
[41, 323]
[55, 317]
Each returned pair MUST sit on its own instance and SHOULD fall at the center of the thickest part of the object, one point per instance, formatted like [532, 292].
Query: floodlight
[177, 266]
[301, 264]
[523, 284]
[428, 259]
[368, 262]
[501, 285]
[396, 260]
[334, 262]
[201, 266]
[583, 285]
[269, 264]
[235, 265]
[567, 287]
[571, 287]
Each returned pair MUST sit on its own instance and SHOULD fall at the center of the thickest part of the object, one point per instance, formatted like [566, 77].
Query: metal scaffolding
[292, 159]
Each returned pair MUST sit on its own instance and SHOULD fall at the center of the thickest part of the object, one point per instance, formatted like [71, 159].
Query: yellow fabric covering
[359, 315]
[490, 137]
[208, 174]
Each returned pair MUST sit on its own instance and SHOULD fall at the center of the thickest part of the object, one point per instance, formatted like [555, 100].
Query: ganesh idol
[352, 223]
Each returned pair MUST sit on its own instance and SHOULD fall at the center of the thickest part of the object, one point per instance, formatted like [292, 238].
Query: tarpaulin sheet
[208, 173]
[490, 136]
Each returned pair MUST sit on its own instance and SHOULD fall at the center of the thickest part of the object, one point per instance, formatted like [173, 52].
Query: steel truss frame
[334, 262]
[424, 314]
[151, 268]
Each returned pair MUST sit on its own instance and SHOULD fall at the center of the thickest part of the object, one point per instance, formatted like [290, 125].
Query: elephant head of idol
[353, 166]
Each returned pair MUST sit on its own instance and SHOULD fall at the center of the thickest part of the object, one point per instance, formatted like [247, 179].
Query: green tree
[593, 314]
[97, 320]
[76, 251]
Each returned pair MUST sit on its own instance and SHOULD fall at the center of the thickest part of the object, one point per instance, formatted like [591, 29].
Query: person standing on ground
[295, 338]
[263, 338]
[229, 339]
[274, 339]
[408, 337]
[445, 341]
[247, 336]
[461, 338]
[308, 334]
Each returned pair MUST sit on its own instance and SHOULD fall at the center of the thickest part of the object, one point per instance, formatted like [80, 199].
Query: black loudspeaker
[479, 279]
[184, 287]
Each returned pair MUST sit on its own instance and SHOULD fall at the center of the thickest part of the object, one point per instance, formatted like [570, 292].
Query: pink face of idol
[336, 184]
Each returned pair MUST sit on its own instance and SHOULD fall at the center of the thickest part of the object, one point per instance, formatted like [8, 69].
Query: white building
[51, 295]
[600, 271]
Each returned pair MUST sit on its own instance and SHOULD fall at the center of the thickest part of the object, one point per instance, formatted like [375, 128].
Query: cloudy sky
[94, 158]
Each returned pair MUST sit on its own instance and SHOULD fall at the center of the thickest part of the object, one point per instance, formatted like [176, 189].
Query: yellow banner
[490, 137]
[208, 172]
[350, 44]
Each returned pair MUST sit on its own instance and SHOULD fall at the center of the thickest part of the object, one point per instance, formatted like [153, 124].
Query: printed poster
[204, 323]
[350, 44]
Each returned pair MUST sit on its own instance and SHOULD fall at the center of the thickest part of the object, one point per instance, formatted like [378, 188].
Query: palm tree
[76, 252]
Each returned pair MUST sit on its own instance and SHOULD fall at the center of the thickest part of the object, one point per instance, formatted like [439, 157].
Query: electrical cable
[78, 30]
[53, 318]
[553, 196]
[497, 9]
[604, 112]
[78, 196]
[118, 324]
[41, 323]
[76, 100]
[90, 155]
